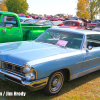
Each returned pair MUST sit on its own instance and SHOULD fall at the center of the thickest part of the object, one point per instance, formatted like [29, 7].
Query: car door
[91, 55]
[3, 36]
[12, 33]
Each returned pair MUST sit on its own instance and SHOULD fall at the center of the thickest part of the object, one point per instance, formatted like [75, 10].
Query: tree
[3, 6]
[17, 6]
[94, 8]
[82, 11]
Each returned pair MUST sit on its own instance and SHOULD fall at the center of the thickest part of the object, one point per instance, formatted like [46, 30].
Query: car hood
[27, 51]
[96, 29]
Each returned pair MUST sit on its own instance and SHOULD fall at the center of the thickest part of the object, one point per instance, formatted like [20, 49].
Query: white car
[24, 19]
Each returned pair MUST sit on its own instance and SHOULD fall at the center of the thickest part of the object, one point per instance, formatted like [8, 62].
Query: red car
[61, 19]
[28, 16]
[53, 19]
[48, 17]
[61, 24]
[76, 24]
[93, 24]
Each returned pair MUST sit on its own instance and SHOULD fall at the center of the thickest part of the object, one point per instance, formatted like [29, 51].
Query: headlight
[26, 69]
[30, 76]
[30, 73]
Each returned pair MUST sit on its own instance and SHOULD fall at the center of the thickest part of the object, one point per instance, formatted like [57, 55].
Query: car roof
[5, 12]
[78, 31]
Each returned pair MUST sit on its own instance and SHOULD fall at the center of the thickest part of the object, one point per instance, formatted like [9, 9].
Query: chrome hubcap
[56, 83]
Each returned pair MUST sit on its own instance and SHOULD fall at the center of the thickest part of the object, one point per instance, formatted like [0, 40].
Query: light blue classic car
[56, 55]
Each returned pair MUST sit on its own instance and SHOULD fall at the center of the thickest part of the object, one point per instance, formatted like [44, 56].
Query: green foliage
[94, 8]
[82, 9]
[17, 6]
[88, 8]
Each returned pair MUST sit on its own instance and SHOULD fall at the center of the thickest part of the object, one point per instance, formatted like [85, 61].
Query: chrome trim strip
[14, 81]
[40, 81]
[13, 73]
[84, 72]
[87, 60]
[8, 74]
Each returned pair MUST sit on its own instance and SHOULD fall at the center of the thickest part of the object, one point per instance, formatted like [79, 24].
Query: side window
[8, 20]
[93, 40]
[73, 23]
[93, 21]
[67, 23]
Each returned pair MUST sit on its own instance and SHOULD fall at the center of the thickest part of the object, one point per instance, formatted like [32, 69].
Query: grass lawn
[83, 88]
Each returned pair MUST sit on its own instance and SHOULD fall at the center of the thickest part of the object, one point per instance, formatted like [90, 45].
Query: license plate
[2, 76]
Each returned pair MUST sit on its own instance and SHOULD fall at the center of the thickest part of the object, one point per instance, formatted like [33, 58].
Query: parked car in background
[97, 28]
[45, 22]
[56, 55]
[13, 30]
[61, 19]
[31, 21]
[58, 23]
[76, 24]
[21, 15]
[48, 17]
[53, 19]
[28, 16]
[93, 24]
[35, 17]
[24, 19]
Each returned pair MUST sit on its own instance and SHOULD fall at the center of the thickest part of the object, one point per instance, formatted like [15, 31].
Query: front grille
[12, 67]
[14, 80]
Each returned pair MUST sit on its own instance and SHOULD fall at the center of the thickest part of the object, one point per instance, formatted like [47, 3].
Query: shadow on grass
[38, 95]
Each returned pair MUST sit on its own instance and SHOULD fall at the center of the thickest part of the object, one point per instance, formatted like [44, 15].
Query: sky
[52, 7]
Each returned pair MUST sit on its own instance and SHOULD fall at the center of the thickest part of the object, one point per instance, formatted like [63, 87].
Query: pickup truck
[11, 29]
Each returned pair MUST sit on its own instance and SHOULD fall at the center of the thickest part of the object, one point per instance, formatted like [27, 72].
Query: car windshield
[60, 38]
[95, 21]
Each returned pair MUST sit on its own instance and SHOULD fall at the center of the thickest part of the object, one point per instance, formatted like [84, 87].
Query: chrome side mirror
[89, 47]
[9, 25]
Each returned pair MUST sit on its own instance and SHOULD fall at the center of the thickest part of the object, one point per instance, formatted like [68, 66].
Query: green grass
[83, 88]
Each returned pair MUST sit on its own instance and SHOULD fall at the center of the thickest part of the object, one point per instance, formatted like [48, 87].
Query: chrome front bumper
[19, 79]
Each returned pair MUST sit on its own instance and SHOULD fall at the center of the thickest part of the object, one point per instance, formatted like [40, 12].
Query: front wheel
[54, 84]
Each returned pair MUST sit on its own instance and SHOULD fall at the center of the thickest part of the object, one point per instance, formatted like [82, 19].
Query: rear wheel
[54, 84]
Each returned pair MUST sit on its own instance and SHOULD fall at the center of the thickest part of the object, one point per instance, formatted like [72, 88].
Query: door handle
[4, 30]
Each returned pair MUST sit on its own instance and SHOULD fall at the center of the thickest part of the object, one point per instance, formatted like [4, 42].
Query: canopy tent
[74, 17]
